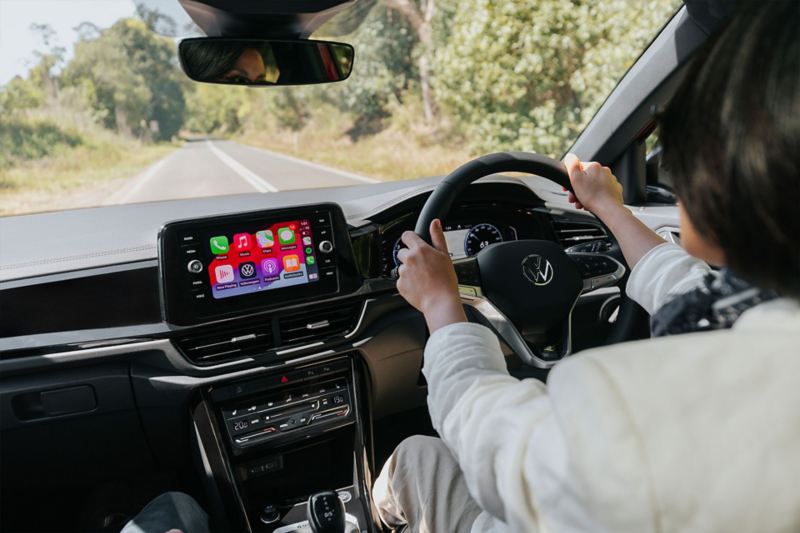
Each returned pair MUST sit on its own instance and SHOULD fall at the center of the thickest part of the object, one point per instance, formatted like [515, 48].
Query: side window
[659, 187]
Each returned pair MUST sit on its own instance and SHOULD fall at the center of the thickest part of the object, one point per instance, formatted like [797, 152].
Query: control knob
[326, 247]
[195, 266]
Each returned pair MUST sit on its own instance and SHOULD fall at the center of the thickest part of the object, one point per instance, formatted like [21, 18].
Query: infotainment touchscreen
[222, 266]
[282, 254]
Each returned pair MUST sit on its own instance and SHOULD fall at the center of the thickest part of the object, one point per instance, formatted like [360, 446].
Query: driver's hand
[427, 278]
[596, 188]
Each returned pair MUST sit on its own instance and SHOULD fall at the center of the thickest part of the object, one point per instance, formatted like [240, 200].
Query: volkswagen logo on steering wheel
[537, 270]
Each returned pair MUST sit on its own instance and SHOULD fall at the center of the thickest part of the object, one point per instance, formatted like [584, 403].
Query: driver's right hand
[596, 188]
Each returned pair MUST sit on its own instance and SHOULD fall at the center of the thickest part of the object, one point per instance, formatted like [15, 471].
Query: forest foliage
[478, 74]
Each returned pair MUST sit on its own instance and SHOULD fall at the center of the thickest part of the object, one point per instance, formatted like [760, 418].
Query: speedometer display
[481, 236]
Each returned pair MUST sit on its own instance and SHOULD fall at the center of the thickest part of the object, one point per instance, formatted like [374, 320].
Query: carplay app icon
[286, 236]
[291, 263]
[265, 238]
[269, 266]
[247, 270]
[224, 273]
[219, 245]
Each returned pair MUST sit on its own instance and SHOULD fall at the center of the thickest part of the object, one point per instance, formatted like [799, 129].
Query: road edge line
[260, 184]
[139, 181]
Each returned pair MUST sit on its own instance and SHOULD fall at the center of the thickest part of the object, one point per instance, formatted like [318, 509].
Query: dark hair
[210, 61]
[731, 139]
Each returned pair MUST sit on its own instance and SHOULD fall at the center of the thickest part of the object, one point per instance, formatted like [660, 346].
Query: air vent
[571, 232]
[228, 343]
[254, 338]
[318, 323]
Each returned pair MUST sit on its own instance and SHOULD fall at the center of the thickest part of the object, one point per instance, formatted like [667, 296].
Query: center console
[273, 441]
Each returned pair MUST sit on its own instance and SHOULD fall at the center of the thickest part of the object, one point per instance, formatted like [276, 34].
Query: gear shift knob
[325, 512]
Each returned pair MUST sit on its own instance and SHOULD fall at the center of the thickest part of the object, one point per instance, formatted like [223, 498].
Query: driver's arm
[658, 270]
[526, 450]
[536, 457]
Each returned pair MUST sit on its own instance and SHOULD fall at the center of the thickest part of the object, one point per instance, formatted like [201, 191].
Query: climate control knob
[326, 247]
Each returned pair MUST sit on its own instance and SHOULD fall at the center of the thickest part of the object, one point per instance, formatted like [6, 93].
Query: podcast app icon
[269, 267]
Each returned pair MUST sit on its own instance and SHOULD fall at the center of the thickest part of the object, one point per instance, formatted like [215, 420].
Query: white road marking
[318, 166]
[140, 182]
[260, 184]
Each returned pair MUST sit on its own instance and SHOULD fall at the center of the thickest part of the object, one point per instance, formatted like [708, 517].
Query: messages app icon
[219, 245]
[286, 235]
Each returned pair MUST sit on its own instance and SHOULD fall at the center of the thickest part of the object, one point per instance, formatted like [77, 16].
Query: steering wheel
[525, 289]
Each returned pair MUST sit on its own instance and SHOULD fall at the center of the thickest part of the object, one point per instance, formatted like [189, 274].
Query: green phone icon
[219, 245]
[310, 260]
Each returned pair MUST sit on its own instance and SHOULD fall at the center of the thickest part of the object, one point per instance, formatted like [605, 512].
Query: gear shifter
[325, 512]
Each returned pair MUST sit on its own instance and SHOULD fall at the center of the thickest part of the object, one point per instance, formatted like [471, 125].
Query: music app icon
[242, 241]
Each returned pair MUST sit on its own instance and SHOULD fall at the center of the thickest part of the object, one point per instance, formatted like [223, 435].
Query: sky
[18, 42]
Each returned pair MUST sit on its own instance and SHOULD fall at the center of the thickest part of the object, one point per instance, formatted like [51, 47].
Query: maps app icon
[265, 239]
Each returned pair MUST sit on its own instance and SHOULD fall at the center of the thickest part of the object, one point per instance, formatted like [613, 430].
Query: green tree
[132, 74]
[20, 94]
[382, 71]
[215, 108]
[528, 74]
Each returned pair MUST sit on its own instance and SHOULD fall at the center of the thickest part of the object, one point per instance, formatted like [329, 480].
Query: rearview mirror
[265, 61]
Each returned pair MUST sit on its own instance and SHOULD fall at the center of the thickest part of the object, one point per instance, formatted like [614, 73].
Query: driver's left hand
[427, 278]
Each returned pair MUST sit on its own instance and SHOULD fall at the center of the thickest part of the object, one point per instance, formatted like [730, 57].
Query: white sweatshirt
[689, 433]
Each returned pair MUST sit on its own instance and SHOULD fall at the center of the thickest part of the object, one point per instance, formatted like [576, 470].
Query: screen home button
[195, 266]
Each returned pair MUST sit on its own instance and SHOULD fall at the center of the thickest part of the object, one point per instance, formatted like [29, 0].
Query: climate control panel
[285, 407]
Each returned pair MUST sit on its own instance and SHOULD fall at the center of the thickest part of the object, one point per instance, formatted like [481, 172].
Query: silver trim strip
[507, 330]
[299, 348]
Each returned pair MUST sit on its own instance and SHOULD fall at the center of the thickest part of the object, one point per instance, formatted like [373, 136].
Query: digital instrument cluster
[466, 240]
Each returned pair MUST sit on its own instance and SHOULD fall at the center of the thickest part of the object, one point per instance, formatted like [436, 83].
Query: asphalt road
[214, 167]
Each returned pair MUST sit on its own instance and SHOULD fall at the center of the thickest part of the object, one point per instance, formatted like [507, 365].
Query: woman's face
[695, 244]
[250, 66]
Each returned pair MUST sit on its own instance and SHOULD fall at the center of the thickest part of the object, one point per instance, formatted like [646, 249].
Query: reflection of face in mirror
[265, 62]
[236, 63]
[249, 67]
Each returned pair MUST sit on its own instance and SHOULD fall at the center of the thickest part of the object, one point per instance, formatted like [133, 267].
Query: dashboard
[187, 279]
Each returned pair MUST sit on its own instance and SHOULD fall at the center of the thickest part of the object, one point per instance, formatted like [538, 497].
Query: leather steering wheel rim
[448, 190]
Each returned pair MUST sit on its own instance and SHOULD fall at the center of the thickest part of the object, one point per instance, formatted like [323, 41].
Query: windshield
[94, 109]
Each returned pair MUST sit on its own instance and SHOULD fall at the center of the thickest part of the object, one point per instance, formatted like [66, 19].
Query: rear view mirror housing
[265, 62]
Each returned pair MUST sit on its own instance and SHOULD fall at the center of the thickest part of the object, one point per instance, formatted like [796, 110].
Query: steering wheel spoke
[597, 270]
[541, 354]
